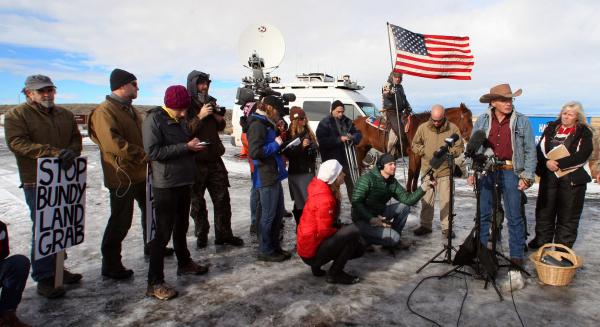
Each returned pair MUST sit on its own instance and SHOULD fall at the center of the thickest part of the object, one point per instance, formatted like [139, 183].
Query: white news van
[315, 93]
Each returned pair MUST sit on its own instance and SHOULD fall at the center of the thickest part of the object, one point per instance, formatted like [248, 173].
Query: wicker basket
[552, 275]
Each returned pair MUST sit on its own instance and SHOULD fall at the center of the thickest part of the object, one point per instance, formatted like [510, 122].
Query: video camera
[256, 87]
[216, 109]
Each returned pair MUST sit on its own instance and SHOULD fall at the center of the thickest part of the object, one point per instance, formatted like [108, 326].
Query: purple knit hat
[177, 97]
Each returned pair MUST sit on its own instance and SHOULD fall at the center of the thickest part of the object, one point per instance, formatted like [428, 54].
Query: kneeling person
[378, 222]
[319, 240]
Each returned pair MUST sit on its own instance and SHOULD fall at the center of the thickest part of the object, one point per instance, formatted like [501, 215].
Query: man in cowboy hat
[510, 137]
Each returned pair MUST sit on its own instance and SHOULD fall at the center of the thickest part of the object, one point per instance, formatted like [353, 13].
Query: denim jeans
[272, 209]
[13, 277]
[253, 205]
[508, 184]
[384, 235]
[44, 267]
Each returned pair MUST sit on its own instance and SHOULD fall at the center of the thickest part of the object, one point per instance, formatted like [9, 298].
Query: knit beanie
[177, 97]
[385, 159]
[329, 171]
[335, 104]
[119, 77]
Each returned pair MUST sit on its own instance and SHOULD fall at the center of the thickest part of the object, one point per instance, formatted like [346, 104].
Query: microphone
[453, 138]
[438, 159]
[478, 140]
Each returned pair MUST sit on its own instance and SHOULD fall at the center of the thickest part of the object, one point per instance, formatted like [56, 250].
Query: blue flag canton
[409, 41]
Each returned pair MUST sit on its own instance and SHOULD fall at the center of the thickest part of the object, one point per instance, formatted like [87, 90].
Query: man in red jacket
[319, 238]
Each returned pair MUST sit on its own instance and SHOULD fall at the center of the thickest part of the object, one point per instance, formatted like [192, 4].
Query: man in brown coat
[205, 122]
[430, 137]
[38, 129]
[116, 127]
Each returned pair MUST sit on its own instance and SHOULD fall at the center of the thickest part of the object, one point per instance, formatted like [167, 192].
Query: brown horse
[375, 138]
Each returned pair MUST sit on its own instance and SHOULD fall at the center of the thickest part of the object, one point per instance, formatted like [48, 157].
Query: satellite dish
[264, 40]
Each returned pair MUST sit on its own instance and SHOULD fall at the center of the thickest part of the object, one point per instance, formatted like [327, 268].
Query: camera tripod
[487, 264]
[447, 249]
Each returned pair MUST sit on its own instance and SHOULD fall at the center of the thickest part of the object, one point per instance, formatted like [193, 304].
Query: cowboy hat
[501, 91]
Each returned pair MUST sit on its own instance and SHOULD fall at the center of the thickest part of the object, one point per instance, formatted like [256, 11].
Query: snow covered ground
[240, 291]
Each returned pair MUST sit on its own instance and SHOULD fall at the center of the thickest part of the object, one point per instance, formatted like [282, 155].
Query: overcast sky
[550, 49]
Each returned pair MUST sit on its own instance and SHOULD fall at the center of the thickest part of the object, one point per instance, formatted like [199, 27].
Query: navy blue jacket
[328, 136]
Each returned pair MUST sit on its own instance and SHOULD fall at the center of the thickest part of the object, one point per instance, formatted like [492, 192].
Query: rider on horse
[394, 103]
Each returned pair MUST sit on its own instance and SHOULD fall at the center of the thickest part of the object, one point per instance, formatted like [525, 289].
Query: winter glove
[427, 183]
[67, 157]
[379, 221]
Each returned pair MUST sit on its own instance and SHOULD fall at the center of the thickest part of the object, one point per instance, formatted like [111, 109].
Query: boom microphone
[453, 138]
[438, 159]
[478, 140]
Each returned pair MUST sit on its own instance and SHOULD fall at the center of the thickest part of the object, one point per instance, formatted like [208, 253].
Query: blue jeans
[383, 235]
[508, 184]
[44, 267]
[272, 209]
[13, 277]
[253, 204]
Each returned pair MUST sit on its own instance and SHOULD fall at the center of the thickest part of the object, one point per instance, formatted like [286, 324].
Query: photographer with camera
[301, 150]
[428, 139]
[378, 222]
[205, 121]
[333, 133]
[510, 138]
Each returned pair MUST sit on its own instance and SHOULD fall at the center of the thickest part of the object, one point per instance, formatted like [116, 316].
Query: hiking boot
[162, 291]
[192, 268]
[9, 318]
[275, 257]
[169, 251]
[342, 278]
[285, 253]
[71, 278]
[45, 288]
[253, 229]
[445, 234]
[422, 231]
[201, 242]
[401, 245]
[117, 274]
[232, 240]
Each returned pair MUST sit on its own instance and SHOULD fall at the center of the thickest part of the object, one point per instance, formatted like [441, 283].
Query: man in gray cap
[34, 130]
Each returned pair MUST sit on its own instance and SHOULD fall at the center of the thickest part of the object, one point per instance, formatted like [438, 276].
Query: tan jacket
[428, 139]
[117, 129]
[594, 160]
[33, 133]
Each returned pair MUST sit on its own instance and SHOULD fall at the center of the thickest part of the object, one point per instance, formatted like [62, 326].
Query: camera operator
[511, 140]
[206, 120]
[378, 222]
[302, 158]
[394, 102]
[429, 138]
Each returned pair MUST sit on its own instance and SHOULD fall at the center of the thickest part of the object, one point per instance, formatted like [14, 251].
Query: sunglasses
[437, 121]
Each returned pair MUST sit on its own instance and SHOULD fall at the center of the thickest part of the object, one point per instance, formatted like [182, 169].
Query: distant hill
[86, 108]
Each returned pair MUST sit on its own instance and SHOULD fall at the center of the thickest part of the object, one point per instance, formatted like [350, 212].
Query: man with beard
[38, 129]
[116, 127]
[205, 121]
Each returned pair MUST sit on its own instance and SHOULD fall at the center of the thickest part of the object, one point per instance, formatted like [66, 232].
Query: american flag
[431, 56]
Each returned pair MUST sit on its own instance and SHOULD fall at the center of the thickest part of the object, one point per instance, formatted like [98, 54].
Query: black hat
[385, 158]
[119, 77]
[335, 104]
[273, 101]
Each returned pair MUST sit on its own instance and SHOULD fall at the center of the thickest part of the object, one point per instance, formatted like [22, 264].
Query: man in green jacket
[378, 222]
[39, 129]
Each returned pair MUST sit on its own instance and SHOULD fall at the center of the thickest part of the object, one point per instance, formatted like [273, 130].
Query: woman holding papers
[563, 150]
[301, 150]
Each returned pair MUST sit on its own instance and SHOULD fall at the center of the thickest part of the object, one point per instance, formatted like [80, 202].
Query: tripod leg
[431, 260]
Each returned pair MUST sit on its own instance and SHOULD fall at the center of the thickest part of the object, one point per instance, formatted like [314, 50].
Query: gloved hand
[67, 157]
[427, 183]
[379, 221]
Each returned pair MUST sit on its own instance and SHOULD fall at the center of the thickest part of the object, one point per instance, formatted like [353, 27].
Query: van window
[368, 108]
[316, 110]
[351, 111]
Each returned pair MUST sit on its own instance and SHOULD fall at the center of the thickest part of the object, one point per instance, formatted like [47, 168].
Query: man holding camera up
[428, 139]
[378, 222]
[510, 137]
[205, 121]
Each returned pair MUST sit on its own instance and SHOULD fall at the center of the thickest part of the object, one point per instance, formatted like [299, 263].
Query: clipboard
[560, 152]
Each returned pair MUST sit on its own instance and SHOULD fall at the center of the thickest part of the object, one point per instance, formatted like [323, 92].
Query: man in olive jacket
[116, 127]
[38, 129]
[378, 222]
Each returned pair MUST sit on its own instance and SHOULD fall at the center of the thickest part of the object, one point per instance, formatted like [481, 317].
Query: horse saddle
[377, 122]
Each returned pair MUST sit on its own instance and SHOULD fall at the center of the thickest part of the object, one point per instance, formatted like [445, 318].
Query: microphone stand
[448, 246]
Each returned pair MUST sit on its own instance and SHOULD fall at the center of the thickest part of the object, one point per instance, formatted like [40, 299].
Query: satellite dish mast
[261, 46]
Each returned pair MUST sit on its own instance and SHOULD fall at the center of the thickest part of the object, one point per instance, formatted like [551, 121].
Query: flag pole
[399, 121]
